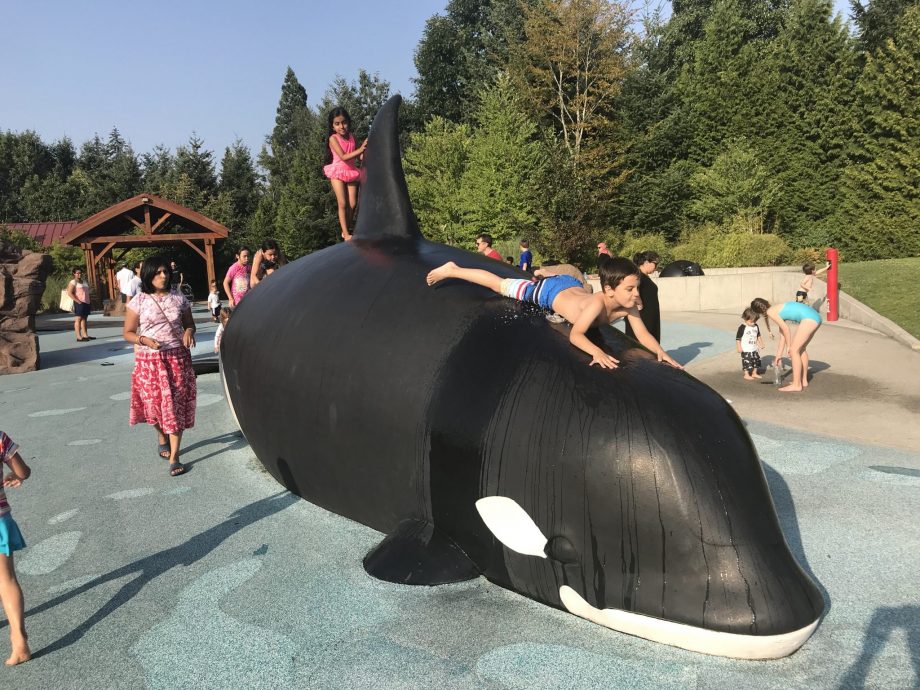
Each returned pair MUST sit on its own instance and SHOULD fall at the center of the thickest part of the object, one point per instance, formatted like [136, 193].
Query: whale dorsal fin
[384, 209]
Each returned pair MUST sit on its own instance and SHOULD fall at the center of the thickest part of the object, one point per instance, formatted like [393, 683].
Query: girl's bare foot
[21, 653]
[790, 389]
[748, 378]
[440, 273]
[755, 375]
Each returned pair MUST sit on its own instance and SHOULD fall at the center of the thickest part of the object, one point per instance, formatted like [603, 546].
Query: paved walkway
[220, 578]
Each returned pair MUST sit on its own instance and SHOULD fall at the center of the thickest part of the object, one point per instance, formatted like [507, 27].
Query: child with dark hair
[565, 295]
[808, 268]
[225, 315]
[526, 263]
[340, 167]
[749, 343]
[267, 260]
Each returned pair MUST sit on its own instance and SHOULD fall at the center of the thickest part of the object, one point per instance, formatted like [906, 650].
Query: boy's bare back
[571, 304]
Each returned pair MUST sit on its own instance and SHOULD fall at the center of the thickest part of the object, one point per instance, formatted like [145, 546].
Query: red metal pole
[833, 286]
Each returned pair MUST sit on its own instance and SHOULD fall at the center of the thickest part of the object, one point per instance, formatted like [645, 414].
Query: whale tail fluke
[384, 209]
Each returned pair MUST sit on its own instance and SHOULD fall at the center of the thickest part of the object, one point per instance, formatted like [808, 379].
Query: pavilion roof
[144, 219]
[45, 232]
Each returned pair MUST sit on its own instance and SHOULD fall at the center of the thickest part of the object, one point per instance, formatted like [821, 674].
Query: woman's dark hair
[334, 113]
[615, 269]
[73, 271]
[242, 249]
[641, 257]
[270, 244]
[759, 306]
[152, 264]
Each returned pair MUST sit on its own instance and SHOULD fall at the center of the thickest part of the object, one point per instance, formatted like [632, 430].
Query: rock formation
[22, 282]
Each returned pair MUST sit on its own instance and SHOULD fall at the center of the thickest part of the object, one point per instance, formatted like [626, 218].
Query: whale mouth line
[689, 637]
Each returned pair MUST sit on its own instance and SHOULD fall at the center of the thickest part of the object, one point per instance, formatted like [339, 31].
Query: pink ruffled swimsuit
[346, 171]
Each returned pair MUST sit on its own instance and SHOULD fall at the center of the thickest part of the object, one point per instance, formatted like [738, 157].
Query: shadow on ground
[886, 621]
[150, 567]
[687, 353]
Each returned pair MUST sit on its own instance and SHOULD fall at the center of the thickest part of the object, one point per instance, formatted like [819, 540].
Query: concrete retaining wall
[734, 288]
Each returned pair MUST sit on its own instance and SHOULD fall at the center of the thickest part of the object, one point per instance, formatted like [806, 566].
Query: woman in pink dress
[341, 170]
[159, 323]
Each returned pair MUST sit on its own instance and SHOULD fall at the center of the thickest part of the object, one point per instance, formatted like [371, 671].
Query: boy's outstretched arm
[647, 339]
[578, 338]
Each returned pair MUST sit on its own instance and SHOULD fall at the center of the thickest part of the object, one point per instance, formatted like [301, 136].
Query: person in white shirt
[134, 285]
[214, 302]
[124, 276]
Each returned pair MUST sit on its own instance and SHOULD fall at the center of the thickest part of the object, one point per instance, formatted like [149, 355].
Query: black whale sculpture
[467, 428]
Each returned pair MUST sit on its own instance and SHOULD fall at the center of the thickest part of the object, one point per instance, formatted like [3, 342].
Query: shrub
[745, 249]
[709, 247]
[633, 244]
[19, 239]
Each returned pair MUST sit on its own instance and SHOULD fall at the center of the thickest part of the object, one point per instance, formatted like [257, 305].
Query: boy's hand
[666, 358]
[604, 361]
[11, 481]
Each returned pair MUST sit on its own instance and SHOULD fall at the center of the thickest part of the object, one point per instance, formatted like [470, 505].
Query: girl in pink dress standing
[341, 170]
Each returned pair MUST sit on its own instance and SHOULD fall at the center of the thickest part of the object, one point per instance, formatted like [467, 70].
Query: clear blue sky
[159, 71]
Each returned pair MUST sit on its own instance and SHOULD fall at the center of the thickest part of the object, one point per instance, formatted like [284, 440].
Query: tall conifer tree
[804, 113]
[880, 216]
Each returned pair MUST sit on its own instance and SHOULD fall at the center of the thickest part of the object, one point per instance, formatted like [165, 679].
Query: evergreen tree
[736, 191]
[877, 21]
[123, 173]
[804, 113]
[197, 163]
[652, 197]
[293, 122]
[159, 170]
[718, 90]
[461, 52]
[504, 165]
[22, 156]
[880, 215]
[239, 184]
[435, 161]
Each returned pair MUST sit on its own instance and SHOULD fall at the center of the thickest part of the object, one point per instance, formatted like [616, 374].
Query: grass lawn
[889, 286]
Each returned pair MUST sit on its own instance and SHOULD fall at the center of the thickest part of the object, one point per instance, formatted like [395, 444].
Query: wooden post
[90, 258]
[110, 277]
[209, 260]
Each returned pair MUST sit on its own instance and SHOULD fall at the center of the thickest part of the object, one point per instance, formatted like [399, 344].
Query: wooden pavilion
[141, 221]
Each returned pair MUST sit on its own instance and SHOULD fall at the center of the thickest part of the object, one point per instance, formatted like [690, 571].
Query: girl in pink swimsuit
[341, 170]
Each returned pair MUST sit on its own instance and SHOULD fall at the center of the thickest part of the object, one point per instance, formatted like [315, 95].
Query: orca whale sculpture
[681, 268]
[467, 428]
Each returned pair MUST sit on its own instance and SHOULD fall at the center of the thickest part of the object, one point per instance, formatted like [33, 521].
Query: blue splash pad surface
[690, 342]
[134, 579]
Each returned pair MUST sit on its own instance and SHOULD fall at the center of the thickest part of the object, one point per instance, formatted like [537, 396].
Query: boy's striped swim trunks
[541, 292]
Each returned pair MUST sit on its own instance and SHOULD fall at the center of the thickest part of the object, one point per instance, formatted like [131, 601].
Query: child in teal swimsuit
[809, 321]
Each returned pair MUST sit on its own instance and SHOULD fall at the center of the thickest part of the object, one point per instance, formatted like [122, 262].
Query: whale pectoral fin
[416, 553]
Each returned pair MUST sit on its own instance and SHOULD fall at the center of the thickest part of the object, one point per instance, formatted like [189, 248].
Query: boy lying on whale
[563, 294]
